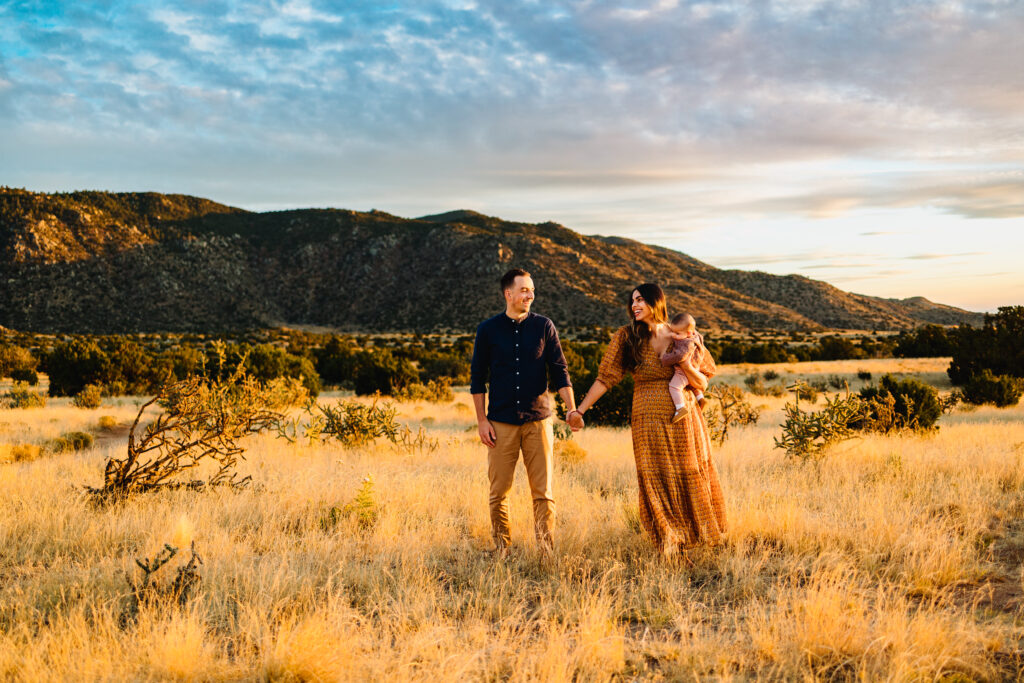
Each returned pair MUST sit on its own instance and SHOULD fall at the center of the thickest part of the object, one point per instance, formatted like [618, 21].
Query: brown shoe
[680, 414]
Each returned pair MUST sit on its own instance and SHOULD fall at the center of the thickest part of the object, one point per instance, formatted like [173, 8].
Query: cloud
[701, 108]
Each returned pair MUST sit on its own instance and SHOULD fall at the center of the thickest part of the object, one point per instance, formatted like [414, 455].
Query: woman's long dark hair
[638, 331]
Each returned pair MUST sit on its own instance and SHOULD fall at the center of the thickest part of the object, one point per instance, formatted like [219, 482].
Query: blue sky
[876, 145]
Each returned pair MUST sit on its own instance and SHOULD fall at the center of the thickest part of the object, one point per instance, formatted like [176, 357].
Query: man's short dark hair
[509, 278]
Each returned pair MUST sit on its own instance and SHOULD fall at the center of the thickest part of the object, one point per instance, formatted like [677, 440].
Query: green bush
[997, 346]
[1000, 390]
[864, 375]
[25, 375]
[806, 436]
[75, 363]
[901, 404]
[435, 391]
[91, 396]
[19, 396]
[15, 359]
[69, 442]
[379, 371]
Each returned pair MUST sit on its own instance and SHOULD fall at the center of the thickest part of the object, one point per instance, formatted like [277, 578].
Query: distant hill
[119, 262]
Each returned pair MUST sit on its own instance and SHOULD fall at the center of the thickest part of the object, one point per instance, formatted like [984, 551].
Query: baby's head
[683, 323]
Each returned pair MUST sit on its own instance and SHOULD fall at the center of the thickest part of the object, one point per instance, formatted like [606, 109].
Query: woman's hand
[575, 420]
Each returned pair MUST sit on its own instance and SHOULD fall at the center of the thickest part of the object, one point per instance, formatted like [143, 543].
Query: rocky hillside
[103, 262]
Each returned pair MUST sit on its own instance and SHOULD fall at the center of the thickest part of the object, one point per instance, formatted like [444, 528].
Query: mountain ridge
[125, 262]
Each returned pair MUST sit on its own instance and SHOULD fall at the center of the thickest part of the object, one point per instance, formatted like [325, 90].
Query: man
[515, 350]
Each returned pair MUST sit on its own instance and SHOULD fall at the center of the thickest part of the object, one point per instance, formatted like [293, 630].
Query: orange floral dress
[681, 502]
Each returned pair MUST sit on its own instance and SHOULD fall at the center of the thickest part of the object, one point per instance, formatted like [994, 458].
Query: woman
[681, 503]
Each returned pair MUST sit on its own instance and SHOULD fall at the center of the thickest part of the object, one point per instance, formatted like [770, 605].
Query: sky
[876, 145]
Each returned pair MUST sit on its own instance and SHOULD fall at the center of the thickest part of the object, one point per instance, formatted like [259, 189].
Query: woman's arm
[596, 391]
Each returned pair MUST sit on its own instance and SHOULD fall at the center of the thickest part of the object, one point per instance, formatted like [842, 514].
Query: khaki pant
[536, 440]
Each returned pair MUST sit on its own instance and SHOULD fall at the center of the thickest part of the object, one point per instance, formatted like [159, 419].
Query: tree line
[987, 362]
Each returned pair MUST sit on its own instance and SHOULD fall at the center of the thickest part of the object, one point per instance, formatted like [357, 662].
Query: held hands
[486, 432]
[574, 419]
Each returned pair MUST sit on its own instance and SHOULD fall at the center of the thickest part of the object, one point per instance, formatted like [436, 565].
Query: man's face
[520, 295]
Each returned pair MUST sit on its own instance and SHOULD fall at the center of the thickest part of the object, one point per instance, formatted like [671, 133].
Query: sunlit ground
[895, 558]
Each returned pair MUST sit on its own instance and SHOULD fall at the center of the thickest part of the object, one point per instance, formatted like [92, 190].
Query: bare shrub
[727, 407]
[151, 592]
[201, 422]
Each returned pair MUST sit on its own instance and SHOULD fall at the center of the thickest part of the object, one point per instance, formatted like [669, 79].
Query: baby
[686, 343]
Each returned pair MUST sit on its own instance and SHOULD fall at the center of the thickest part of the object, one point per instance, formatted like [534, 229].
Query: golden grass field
[896, 558]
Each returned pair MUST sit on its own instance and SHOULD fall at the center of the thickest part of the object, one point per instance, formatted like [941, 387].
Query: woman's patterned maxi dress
[681, 502]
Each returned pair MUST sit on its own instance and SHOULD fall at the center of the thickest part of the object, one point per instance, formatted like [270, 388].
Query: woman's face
[641, 311]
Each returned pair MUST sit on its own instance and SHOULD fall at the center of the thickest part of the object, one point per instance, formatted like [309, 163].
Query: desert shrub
[336, 360]
[727, 407]
[807, 435]
[803, 391]
[435, 391]
[20, 396]
[69, 442]
[561, 431]
[438, 366]
[15, 359]
[379, 371]
[26, 375]
[818, 384]
[1000, 390]
[837, 382]
[770, 375]
[897, 404]
[364, 506]
[152, 592]
[997, 346]
[927, 341]
[949, 403]
[267, 362]
[75, 363]
[91, 396]
[837, 348]
[201, 422]
[107, 423]
[355, 424]
[864, 375]
[24, 452]
[569, 453]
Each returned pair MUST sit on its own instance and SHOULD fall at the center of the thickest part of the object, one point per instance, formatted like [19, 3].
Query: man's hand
[487, 435]
[575, 420]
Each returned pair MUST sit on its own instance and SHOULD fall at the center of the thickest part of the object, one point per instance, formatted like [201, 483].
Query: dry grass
[898, 558]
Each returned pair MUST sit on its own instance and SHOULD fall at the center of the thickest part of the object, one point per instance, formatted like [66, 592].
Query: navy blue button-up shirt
[516, 357]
